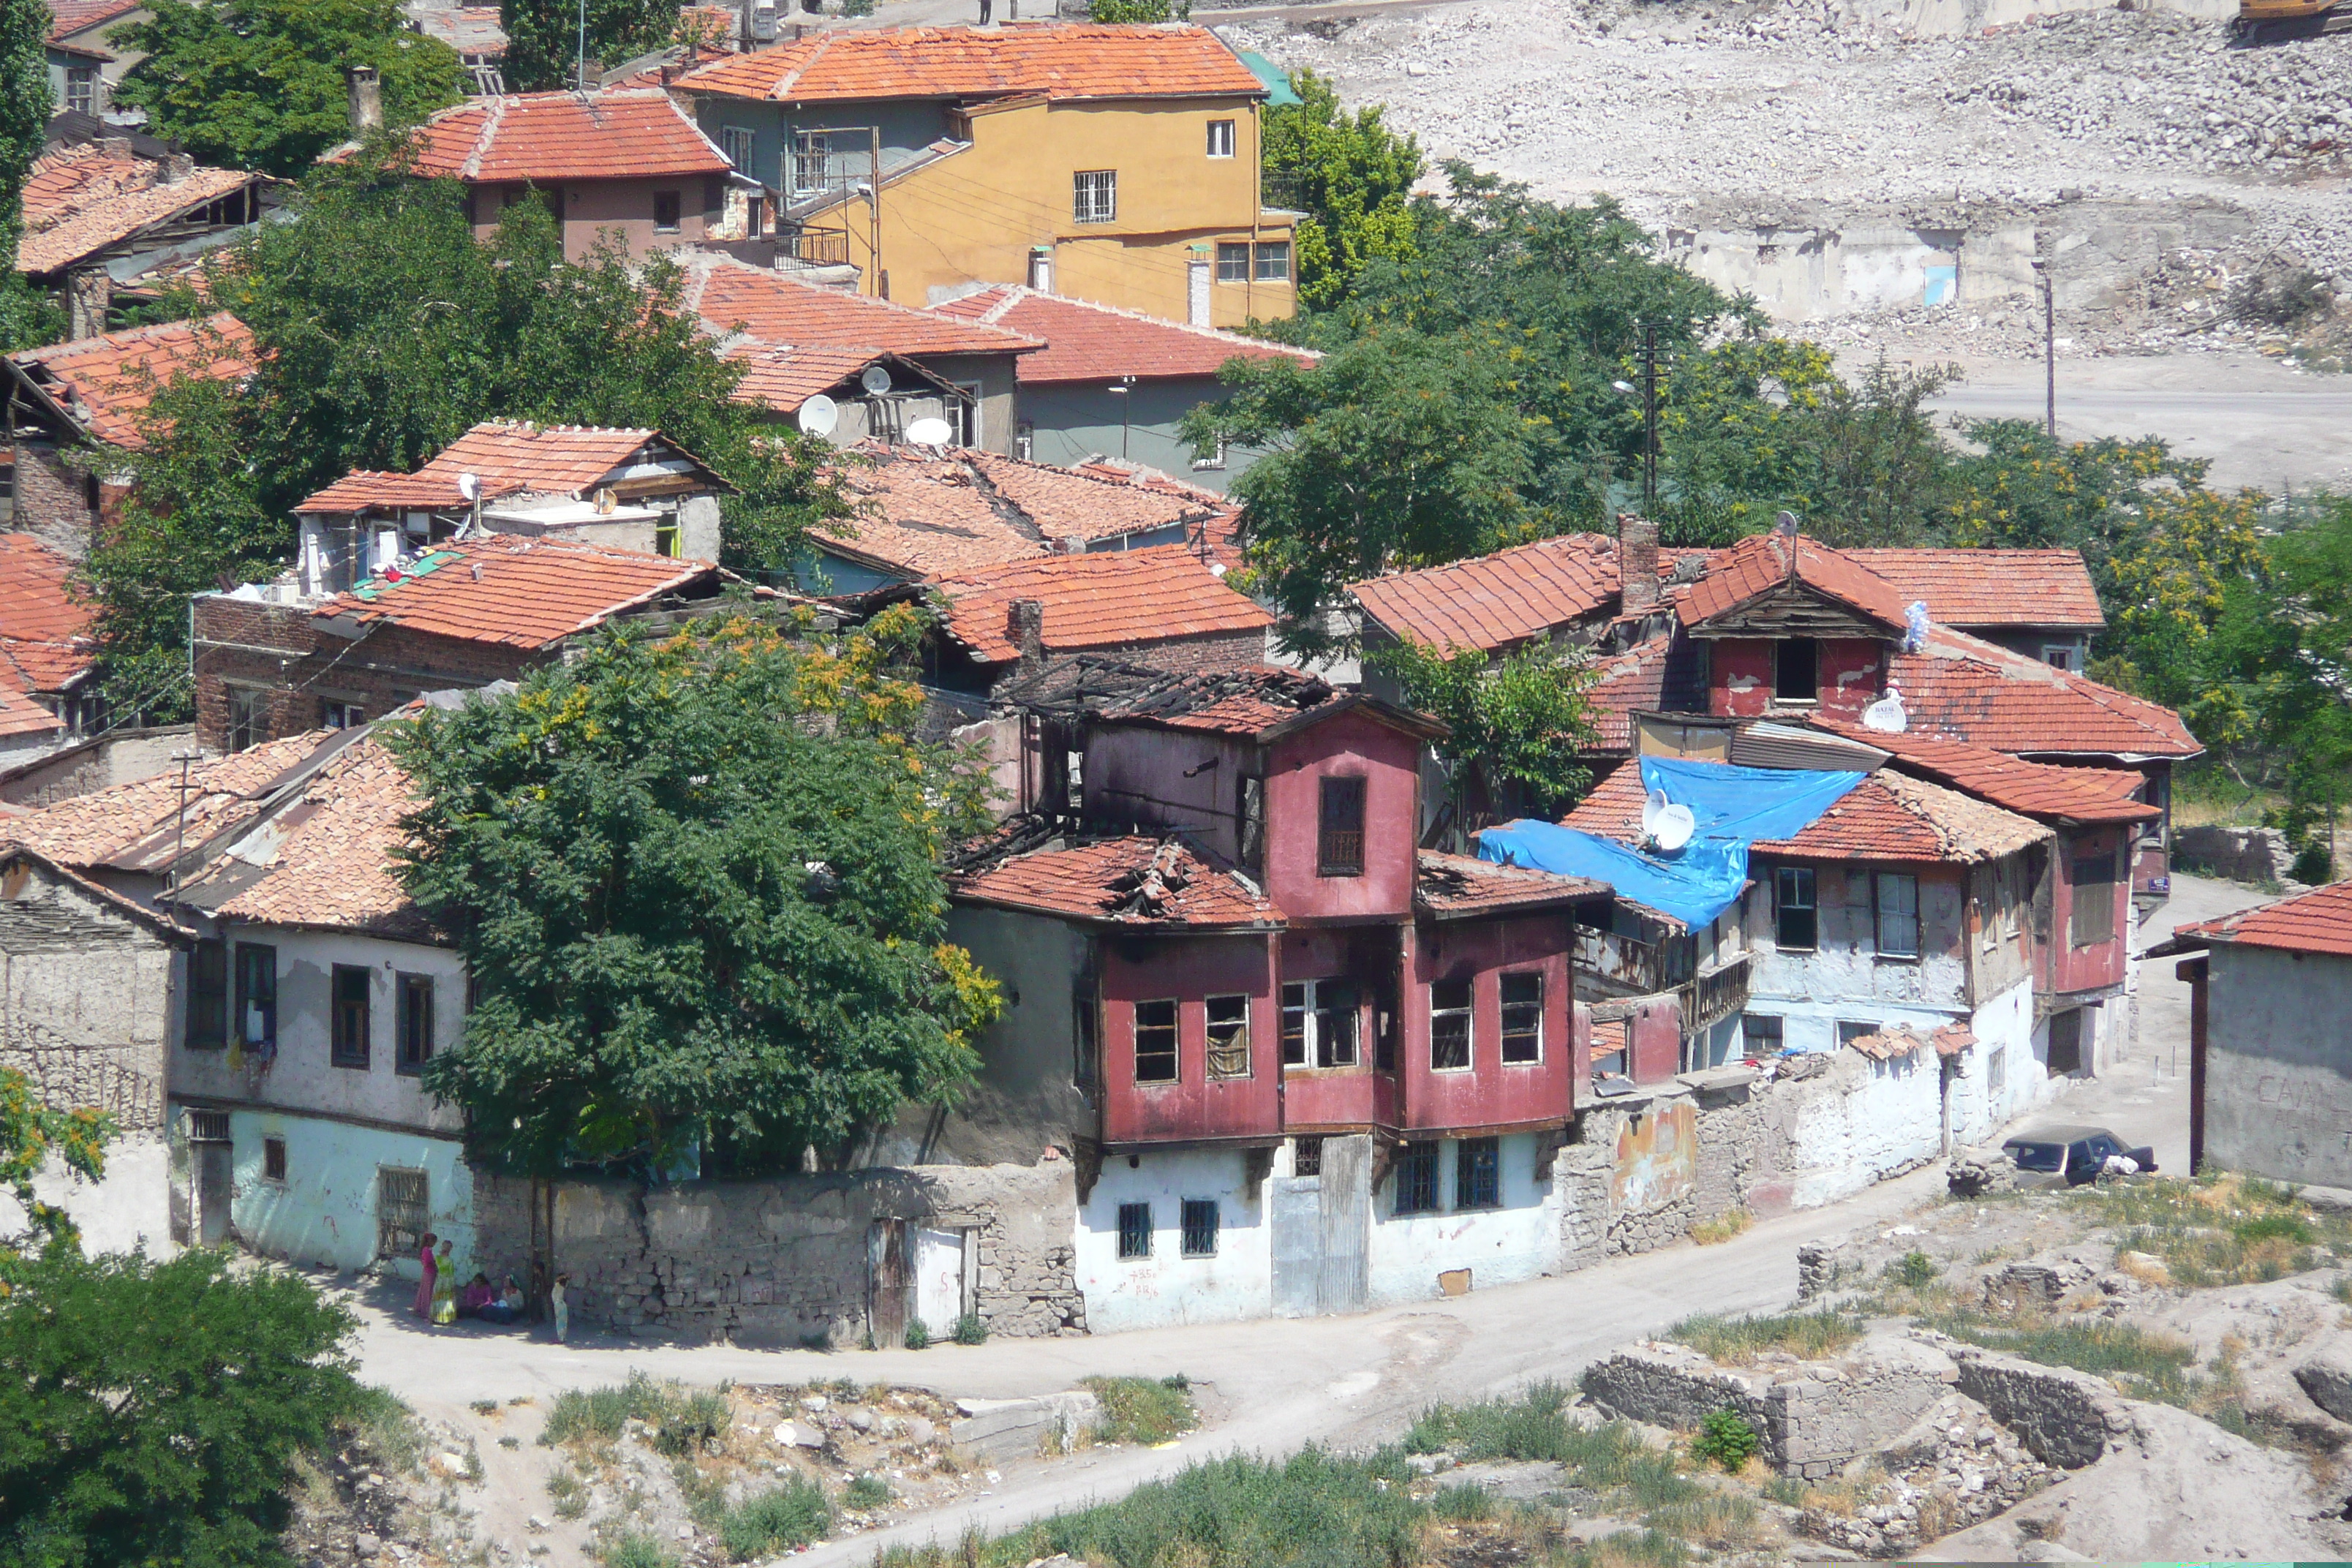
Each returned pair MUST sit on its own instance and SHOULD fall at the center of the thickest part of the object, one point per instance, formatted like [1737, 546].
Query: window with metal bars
[1416, 1191]
[347, 1042]
[1094, 196]
[1522, 1018]
[401, 1209]
[208, 1127]
[1477, 1173]
[1200, 1228]
[1135, 1230]
[1449, 1025]
[1339, 840]
[1155, 1042]
[1228, 1024]
[1306, 1157]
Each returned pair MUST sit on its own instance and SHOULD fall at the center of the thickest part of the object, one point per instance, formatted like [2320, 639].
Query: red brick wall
[1218, 650]
[52, 495]
[389, 665]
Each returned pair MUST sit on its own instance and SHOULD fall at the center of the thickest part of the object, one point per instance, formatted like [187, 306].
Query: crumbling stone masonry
[2067, 1418]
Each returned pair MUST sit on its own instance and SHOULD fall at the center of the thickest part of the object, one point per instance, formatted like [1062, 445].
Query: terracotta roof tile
[107, 382]
[549, 459]
[20, 715]
[1986, 588]
[547, 137]
[1071, 504]
[36, 598]
[139, 827]
[1886, 1045]
[1087, 342]
[2316, 921]
[1133, 880]
[81, 198]
[36, 667]
[1963, 686]
[1455, 885]
[1497, 602]
[779, 309]
[1763, 562]
[334, 867]
[519, 593]
[784, 378]
[1951, 1039]
[1887, 817]
[1109, 599]
[2039, 790]
[364, 488]
[68, 17]
[1063, 63]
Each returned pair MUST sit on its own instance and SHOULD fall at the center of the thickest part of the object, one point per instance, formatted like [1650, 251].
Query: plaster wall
[1166, 1288]
[2278, 1069]
[991, 378]
[1869, 1121]
[1814, 273]
[1845, 968]
[129, 1210]
[1517, 1239]
[124, 757]
[325, 1209]
[598, 211]
[1069, 421]
[1849, 675]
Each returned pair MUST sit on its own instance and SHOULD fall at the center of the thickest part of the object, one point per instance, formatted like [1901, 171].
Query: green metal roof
[1277, 80]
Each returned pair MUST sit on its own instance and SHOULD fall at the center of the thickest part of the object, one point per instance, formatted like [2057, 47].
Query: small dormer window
[1340, 849]
[1796, 670]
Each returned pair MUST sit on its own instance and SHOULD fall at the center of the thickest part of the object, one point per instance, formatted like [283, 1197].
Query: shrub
[867, 1492]
[793, 1515]
[636, 1550]
[680, 1420]
[1816, 1333]
[1462, 1502]
[1722, 1227]
[1139, 1410]
[2312, 864]
[1725, 1438]
[571, 1494]
[1915, 1270]
[970, 1329]
[919, 1334]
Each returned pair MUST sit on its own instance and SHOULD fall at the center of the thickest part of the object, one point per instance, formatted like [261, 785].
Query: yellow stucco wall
[975, 214]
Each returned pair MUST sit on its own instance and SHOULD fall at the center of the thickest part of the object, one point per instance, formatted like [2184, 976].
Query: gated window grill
[1200, 1228]
[400, 1206]
[1135, 1230]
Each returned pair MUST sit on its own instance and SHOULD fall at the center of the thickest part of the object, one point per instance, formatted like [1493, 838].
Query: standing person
[563, 1307]
[424, 1288]
[445, 1288]
[985, 5]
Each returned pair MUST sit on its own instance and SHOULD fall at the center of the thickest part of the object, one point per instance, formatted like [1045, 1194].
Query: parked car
[2070, 1156]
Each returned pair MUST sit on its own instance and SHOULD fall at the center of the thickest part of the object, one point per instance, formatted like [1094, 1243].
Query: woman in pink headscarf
[432, 1269]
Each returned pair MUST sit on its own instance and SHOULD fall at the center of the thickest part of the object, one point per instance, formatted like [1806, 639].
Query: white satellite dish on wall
[819, 414]
[874, 379]
[932, 432]
[1675, 826]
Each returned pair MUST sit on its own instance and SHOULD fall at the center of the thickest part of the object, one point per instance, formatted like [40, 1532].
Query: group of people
[440, 1299]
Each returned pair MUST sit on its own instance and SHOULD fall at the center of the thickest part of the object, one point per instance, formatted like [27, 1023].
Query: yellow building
[1113, 164]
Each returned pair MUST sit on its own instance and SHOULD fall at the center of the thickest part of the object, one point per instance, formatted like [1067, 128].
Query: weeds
[1631, 1548]
[792, 1516]
[2221, 1230]
[570, 1492]
[1725, 1438]
[1462, 1504]
[1722, 1227]
[919, 1334]
[1786, 1490]
[1807, 1335]
[1723, 1520]
[867, 1493]
[1915, 1270]
[484, 1407]
[680, 1420]
[2144, 1365]
[1139, 1410]
[636, 1551]
[391, 1429]
[970, 1329]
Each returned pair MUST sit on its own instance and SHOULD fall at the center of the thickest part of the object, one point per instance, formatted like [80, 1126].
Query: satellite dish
[1886, 715]
[1216, 568]
[1652, 805]
[819, 414]
[1786, 523]
[470, 486]
[874, 379]
[933, 432]
[1675, 826]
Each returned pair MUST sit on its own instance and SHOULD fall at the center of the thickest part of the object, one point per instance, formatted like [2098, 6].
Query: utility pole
[2049, 351]
[1649, 356]
[581, 69]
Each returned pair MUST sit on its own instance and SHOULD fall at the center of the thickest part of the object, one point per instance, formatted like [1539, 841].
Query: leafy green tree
[151, 1413]
[697, 877]
[1398, 450]
[543, 39]
[1350, 174]
[1515, 724]
[31, 1135]
[262, 84]
[27, 320]
[1110, 11]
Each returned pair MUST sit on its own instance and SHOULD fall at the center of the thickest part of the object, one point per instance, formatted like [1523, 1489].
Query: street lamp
[1118, 389]
[1648, 354]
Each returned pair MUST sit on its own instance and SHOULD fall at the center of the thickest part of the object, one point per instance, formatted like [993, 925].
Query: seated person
[476, 1296]
[507, 1308]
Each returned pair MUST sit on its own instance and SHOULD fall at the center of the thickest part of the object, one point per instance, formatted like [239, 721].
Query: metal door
[1343, 1280]
[215, 1165]
[938, 1280]
[1294, 1208]
[886, 1311]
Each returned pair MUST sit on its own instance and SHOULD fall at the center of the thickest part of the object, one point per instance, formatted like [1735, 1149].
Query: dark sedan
[2070, 1156]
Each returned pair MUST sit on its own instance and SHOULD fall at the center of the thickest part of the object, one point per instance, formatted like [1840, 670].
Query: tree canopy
[31, 1135]
[543, 38]
[1350, 174]
[26, 319]
[696, 877]
[1515, 725]
[263, 84]
[384, 331]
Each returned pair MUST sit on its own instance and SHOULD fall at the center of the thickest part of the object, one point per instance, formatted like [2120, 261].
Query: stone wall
[2067, 1418]
[785, 1260]
[2241, 854]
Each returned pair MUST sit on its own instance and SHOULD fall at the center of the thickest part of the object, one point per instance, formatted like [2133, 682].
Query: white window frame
[1215, 460]
[1259, 255]
[1895, 895]
[969, 416]
[1468, 1013]
[1094, 196]
[740, 143]
[1221, 139]
[1309, 1007]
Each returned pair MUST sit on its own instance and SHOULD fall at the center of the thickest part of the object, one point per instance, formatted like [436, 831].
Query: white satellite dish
[1652, 803]
[1216, 568]
[933, 432]
[1675, 826]
[1886, 715]
[819, 414]
[470, 486]
[874, 379]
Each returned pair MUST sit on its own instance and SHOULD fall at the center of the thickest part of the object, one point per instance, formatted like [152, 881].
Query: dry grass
[2223, 1230]
[1734, 1339]
[1722, 1227]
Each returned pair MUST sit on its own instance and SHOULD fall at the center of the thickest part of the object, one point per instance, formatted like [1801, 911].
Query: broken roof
[1763, 563]
[1131, 880]
[1087, 342]
[2316, 921]
[1982, 589]
[1885, 817]
[474, 30]
[364, 488]
[518, 592]
[1962, 686]
[1062, 63]
[45, 642]
[1261, 702]
[104, 383]
[1497, 602]
[140, 827]
[544, 138]
[781, 311]
[555, 459]
[1456, 887]
[784, 378]
[1664, 673]
[2040, 790]
[83, 198]
[1107, 599]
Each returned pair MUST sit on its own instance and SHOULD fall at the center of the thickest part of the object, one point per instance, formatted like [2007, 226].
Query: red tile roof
[20, 715]
[2040, 790]
[1063, 63]
[141, 826]
[2316, 921]
[518, 592]
[1086, 342]
[364, 488]
[1497, 602]
[782, 311]
[105, 382]
[81, 198]
[34, 666]
[1963, 686]
[1758, 565]
[1887, 817]
[37, 599]
[784, 378]
[1133, 880]
[68, 17]
[333, 867]
[546, 137]
[1114, 598]
[1884, 1045]
[1452, 886]
[549, 459]
[1986, 588]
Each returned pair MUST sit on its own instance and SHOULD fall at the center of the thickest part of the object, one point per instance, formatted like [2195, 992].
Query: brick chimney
[1637, 562]
[367, 102]
[89, 293]
[1024, 628]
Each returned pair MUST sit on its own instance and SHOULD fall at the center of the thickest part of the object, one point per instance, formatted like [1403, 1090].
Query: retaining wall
[2067, 1418]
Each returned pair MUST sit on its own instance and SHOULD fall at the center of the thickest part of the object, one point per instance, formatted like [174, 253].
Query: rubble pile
[1959, 1469]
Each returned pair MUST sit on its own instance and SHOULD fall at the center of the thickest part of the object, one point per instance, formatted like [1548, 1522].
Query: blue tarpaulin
[1734, 807]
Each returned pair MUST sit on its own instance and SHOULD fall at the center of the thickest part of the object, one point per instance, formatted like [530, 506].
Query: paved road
[1279, 1384]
